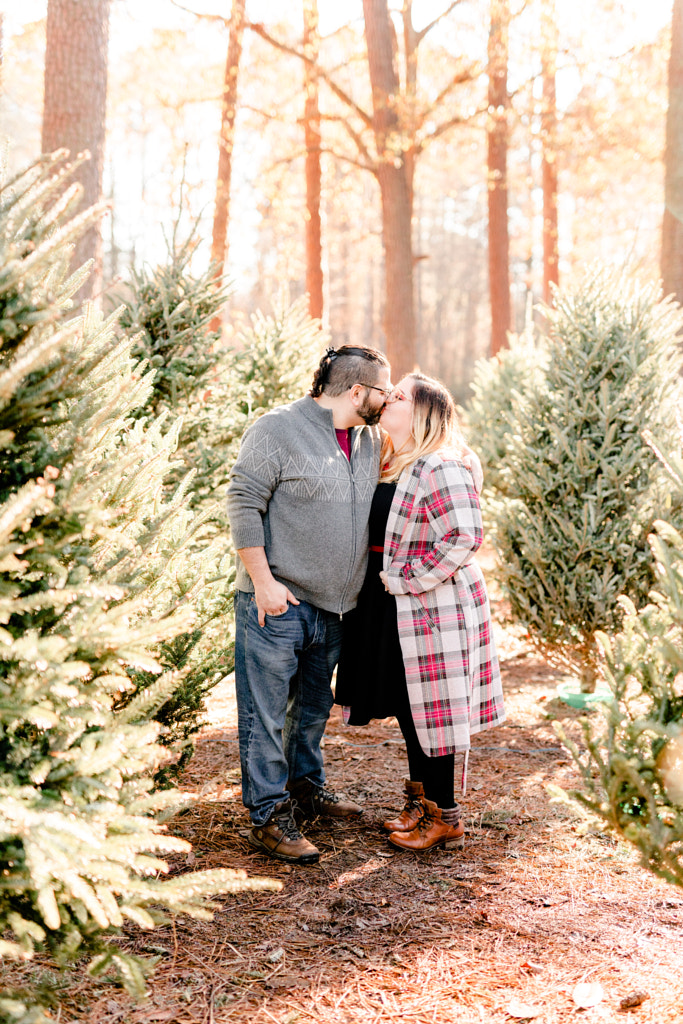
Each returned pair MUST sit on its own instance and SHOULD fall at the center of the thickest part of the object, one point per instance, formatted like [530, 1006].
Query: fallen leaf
[587, 994]
[633, 999]
[533, 968]
[523, 1011]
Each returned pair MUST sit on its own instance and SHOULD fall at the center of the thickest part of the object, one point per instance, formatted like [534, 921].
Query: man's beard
[370, 413]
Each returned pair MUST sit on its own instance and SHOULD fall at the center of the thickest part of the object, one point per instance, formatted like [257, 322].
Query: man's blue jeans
[283, 672]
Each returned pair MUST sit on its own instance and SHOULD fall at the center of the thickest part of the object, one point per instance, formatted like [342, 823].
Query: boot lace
[426, 819]
[286, 823]
[321, 796]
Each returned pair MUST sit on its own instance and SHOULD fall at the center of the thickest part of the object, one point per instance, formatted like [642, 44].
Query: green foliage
[277, 358]
[168, 312]
[582, 487]
[632, 768]
[270, 362]
[499, 384]
[96, 582]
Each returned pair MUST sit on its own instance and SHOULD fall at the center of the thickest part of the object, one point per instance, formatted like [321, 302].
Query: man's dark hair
[343, 367]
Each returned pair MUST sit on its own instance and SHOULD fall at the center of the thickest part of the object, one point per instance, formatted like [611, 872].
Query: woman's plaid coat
[444, 620]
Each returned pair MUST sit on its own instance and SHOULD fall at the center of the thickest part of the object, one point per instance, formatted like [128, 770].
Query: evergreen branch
[30, 356]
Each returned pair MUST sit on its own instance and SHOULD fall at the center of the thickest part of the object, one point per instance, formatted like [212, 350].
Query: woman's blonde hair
[434, 428]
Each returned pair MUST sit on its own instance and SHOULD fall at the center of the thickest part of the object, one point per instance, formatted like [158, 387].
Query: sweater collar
[318, 413]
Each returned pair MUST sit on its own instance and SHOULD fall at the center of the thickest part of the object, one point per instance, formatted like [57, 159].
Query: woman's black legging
[435, 773]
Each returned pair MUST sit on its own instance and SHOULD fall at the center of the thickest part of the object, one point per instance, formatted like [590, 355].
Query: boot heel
[455, 844]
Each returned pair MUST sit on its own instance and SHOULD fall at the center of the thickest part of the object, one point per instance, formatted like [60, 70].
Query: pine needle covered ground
[534, 906]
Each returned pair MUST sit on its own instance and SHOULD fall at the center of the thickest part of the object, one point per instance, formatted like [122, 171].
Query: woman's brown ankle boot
[412, 812]
[431, 830]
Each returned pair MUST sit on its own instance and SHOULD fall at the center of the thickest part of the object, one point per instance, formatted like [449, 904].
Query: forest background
[165, 80]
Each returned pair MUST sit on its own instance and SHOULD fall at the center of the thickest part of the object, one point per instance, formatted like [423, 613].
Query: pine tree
[632, 764]
[582, 487]
[94, 578]
[167, 311]
[498, 384]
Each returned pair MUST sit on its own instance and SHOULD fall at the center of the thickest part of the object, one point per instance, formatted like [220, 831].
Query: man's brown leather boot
[430, 831]
[311, 801]
[279, 837]
[412, 811]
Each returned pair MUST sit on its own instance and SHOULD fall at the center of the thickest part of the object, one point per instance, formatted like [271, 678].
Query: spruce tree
[215, 390]
[632, 764]
[497, 385]
[94, 577]
[166, 310]
[582, 487]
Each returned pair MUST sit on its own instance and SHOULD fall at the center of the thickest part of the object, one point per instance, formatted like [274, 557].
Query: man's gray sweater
[294, 492]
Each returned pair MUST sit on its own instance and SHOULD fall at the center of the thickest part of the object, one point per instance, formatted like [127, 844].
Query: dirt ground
[505, 930]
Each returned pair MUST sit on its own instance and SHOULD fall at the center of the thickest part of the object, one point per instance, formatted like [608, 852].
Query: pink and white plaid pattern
[444, 620]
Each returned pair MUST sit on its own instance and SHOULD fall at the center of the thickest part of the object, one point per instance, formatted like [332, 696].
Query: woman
[419, 645]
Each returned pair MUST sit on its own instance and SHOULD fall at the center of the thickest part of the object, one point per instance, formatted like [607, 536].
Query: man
[299, 501]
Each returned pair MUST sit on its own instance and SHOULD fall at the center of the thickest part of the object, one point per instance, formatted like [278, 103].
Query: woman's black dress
[370, 674]
[371, 678]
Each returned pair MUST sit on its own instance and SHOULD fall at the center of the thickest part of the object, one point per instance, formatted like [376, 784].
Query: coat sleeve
[254, 478]
[452, 511]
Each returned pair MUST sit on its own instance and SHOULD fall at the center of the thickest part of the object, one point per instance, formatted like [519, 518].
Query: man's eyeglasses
[375, 388]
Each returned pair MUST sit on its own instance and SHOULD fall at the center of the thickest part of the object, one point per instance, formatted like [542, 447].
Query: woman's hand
[385, 580]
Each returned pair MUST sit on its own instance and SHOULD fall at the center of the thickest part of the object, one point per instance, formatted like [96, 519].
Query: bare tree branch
[372, 167]
[419, 36]
[300, 154]
[441, 129]
[346, 124]
[260, 30]
[466, 75]
[202, 17]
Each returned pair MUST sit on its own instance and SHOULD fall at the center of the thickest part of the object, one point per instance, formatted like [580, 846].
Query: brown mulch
[505, 930]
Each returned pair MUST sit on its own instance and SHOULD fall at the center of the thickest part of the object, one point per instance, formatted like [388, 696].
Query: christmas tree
[94, 578]
[216, 390]
[499, 384]
[632, 764]
[582, 487]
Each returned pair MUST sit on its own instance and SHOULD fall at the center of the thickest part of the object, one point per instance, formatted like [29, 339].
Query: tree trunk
[219, 241]
[314, 270]
[74, 107]
[672, 227]
[550, 154]
[499, 242]
[392, 175]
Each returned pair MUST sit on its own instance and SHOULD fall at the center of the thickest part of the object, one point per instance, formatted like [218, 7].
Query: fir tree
[166, 311]
[498, 384]
[215, 390]
[632, 768]
[582, 487]
[94, 578]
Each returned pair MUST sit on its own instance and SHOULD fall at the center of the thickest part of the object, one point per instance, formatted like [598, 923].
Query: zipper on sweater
[352, 558]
